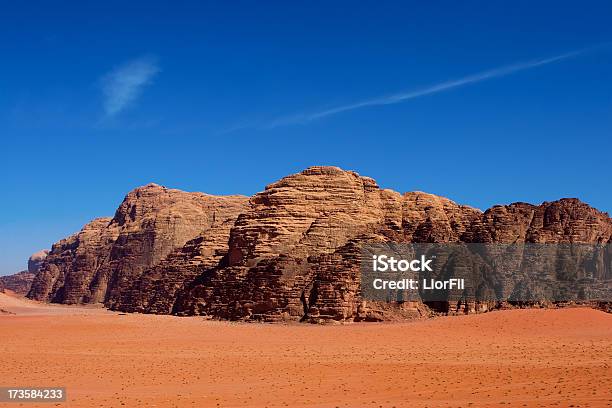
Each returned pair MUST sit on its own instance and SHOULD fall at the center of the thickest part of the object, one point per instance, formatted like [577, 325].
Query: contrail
[441, 87]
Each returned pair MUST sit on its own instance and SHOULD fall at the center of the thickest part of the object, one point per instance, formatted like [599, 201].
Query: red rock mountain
[102, 261]
[290, 252]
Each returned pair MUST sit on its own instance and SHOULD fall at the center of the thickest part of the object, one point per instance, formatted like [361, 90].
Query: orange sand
[531, 358]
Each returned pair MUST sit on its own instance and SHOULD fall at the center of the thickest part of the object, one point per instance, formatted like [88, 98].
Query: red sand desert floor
[517, 358]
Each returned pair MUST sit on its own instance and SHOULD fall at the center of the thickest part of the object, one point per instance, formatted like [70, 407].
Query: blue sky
[482, 102]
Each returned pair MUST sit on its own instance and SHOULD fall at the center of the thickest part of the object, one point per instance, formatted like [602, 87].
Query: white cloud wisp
[123, 85]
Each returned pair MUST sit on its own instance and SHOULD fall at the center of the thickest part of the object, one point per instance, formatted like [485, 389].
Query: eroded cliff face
[290, 252]
[19, 282]
[295, 253]
[68, 272]
[36, 260]
[153, 222]
[564, 221]
[103, 260]
[155, 290]
[304, 215]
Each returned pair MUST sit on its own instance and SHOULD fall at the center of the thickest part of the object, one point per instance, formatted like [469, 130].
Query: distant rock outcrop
[36, 260]
[19, 283]
[564, 221]
[290, 252]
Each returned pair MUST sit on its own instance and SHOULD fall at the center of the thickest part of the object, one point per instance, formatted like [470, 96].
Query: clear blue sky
[226, 97]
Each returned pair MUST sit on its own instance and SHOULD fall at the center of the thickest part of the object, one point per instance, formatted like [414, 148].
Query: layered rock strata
[291, 252]
[100, 263]
[19, 283]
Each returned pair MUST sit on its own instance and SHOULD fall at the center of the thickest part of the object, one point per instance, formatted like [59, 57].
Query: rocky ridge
[288, 253]
[100, 263]
[19, 283]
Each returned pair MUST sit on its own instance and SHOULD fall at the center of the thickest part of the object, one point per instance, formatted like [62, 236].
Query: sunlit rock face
[36, 260]
[18, 283]
[102, 261]
[290, 252]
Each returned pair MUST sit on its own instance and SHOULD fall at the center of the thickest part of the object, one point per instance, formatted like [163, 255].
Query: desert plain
[513, 358]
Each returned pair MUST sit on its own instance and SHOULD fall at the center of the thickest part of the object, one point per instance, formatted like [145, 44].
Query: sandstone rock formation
[19, 283]
[102, 261]
[295, 253]
[36, 260]
[156, 289]
[277, 248]
[290, 252]
[73, 270]
[564, 221]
